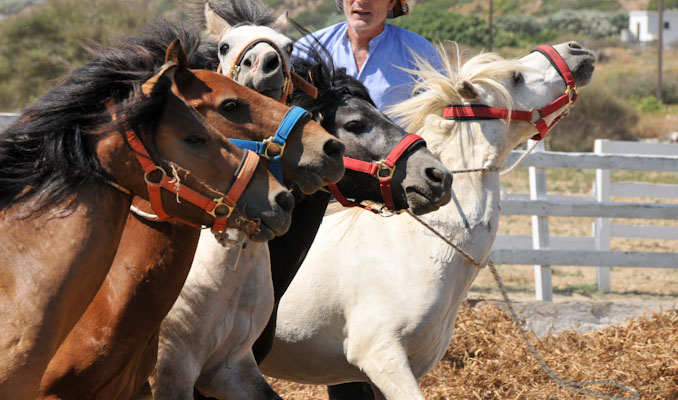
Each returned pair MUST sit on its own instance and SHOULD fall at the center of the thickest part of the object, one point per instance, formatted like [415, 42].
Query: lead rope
[566, 383]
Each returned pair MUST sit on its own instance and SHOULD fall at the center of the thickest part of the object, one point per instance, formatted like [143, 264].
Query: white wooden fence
[7, 118]
[543, 250]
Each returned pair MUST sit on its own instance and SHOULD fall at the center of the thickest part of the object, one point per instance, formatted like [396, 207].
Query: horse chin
[584, 73]
[310, 182]
[275, 94]
[263, 235]
[419, 203]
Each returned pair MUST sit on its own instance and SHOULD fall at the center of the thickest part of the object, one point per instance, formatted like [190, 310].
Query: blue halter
[292, 117]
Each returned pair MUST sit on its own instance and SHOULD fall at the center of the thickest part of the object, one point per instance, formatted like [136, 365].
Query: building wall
[647, 22]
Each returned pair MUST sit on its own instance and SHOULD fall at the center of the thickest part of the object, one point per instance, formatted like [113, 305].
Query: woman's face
[366, 15]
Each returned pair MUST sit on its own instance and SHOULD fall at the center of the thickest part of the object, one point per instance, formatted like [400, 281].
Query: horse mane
[43, 155]
[434, 90]
[243, 12]
[159, 34]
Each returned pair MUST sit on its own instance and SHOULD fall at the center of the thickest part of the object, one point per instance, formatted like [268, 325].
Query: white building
[643, 26]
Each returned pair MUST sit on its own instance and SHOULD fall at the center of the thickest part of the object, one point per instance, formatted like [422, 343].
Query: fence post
[602, 225]
[540, 229]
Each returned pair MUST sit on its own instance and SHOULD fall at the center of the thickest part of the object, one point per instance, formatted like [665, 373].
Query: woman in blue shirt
[372, 50]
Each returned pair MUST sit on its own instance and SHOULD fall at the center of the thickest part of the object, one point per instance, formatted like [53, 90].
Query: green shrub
[596, 24]
[552, 7]
[41, 44]
[668, 5]
[636, 86]
[598, 114]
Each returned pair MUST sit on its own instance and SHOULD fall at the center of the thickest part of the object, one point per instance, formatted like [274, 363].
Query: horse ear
[175, 53]
[316, 75]
[215, 24]
[466, 90]
[166, 72]
[281, 23]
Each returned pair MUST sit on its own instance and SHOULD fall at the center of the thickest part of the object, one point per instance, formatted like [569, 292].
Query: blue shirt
[387, 84]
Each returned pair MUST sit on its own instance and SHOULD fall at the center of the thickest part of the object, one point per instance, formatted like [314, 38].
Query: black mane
[43, 155]
[244, 12]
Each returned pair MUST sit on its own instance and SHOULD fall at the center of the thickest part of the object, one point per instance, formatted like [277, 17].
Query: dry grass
[488, 360]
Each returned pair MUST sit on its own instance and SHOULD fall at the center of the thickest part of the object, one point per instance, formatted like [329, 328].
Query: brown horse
[68, 175]
[112, 350]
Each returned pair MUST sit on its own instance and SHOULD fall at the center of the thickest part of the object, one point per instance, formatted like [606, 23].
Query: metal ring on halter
[220, 202]
[387, 212]
[382, 166]
[268, 142]
[572, 94]
[157, 168]
[534, 120]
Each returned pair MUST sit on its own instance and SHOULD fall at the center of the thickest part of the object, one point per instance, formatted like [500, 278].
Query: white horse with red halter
[376, 298]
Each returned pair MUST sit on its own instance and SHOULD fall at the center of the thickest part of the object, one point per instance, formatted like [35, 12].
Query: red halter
[291, 77]
[228, 200]
[535, 116]
[383, 170]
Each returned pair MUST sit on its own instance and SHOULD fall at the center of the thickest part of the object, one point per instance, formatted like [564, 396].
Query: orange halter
[229, 200]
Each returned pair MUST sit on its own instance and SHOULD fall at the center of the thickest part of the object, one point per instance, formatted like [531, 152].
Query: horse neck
[473, 211]
[289, 250]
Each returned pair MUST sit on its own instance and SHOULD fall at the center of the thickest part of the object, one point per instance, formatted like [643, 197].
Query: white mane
[433, 90]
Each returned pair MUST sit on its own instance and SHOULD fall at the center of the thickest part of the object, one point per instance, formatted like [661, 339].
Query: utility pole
[660, 47]
[489, 44]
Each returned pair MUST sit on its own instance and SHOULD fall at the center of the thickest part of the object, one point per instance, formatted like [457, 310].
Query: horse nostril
[334, 148]
[574, 45]
[271, 62]
[435, 175]
[285, 200]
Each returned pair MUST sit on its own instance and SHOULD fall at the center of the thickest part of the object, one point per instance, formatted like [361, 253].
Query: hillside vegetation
[42, 40]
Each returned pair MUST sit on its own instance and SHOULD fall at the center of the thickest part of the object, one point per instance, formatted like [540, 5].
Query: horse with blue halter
[227, 300]
[112, 349]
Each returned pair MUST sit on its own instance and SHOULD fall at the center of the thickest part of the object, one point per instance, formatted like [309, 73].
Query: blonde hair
[433, 91]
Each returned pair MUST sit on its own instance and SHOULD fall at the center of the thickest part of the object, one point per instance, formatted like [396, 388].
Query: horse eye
[289, 48]
[517, 78]
[354, 126]
[223, 48]
[228, 105]
[193, 140]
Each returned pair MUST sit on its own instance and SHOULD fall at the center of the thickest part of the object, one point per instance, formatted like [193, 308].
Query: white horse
[262, 65]
[376, 298]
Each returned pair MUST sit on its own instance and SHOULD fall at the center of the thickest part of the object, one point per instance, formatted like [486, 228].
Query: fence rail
[7, 118]
[543, 251]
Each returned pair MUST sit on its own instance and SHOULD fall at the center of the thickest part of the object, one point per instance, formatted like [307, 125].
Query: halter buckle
[235, 71]
[218, 203]
[268, 142]
[382, 166]
[572, 94]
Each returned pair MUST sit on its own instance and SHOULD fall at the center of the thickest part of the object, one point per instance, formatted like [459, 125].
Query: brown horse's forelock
[43, 156]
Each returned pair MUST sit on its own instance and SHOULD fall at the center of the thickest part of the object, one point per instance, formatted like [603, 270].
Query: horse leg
[387, 367]
[175, 380]
[236, 380]
[351, 391]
